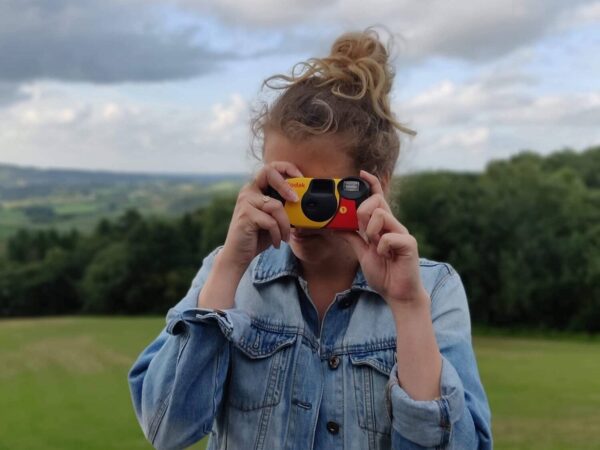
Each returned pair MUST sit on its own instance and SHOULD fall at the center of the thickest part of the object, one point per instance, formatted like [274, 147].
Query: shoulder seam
[443, 280]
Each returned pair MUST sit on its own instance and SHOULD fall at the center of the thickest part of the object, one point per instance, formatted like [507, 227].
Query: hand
[387, 253]
[256, 224]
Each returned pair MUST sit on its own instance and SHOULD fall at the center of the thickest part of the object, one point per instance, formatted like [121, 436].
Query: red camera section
[345, 218]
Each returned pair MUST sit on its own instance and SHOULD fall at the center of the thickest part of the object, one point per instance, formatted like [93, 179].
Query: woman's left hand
[386, 251]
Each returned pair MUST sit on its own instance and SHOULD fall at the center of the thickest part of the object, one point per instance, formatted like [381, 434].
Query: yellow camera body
[324, 202]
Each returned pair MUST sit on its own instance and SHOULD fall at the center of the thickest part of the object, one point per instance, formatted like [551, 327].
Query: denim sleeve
[177, 382]
[461, 417]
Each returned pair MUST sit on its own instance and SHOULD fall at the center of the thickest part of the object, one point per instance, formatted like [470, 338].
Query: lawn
[63, 385]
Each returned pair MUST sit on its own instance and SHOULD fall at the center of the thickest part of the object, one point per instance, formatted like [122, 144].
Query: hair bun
[356, 69]
[355, 46]
[362, 66]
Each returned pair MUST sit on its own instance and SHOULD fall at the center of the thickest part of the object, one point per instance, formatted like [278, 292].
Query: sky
[170, 85]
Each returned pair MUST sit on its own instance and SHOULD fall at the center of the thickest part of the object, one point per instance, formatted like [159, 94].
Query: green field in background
[63, 385]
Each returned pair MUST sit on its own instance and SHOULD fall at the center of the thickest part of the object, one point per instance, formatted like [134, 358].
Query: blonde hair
[346, 94]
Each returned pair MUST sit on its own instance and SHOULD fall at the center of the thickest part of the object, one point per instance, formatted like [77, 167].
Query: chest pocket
[371, 372]
[259, 366]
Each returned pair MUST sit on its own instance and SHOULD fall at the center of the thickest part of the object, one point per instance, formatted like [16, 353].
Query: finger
[394, 243]
[373, 182]
[367, 207]
[276, 180]
[266, 222]
[375, 225]
[277, 211]
[273, 175]
[256, 211]
[356, 241]
[381, 222]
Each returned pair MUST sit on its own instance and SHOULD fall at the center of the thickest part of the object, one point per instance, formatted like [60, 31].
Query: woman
[295, 338]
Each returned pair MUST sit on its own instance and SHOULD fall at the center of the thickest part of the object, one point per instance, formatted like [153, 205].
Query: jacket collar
[275, 263]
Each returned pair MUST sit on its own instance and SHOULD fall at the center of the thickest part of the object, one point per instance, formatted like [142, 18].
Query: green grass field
[63, 385]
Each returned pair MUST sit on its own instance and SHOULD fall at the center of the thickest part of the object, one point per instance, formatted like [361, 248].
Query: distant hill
[33, 197]
[65, 198]
[18, 182]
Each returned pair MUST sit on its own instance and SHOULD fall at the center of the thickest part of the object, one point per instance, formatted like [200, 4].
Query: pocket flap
[258, 342]
[382, 360]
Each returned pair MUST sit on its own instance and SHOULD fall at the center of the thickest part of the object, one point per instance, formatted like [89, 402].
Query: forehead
[316, 157]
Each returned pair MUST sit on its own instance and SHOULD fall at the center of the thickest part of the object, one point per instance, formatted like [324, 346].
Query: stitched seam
[186, 336]
[250, 350]
[291, 423]
[368, 386]
[279, 365]
[153, 431]
[215, 376]
[358, 395]
[265, 417]
[158, 418]
[388, 399]
[373, 363]
[271, 397]
[428, 263]
[444, 421]
[439, 285]
[365, 400]
[264, 278]
[226, 328]
[269, 326]
[345, 349]
[261, 279]
[361, 348]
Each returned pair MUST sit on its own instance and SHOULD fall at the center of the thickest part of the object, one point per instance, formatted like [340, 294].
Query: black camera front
[319, 203]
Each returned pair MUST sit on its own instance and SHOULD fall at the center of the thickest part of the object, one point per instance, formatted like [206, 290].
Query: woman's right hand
[256, 224]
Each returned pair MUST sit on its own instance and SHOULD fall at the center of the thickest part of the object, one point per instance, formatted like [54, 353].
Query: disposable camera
[324, 202]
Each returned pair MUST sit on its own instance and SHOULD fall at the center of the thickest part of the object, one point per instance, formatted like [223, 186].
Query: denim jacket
[266, 375]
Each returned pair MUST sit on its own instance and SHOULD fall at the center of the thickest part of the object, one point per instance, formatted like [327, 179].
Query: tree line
[524, 235]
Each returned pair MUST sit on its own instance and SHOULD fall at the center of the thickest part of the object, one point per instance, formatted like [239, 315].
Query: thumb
[356, 241]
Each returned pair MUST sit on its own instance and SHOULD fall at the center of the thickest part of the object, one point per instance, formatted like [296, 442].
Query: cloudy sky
[169, 85]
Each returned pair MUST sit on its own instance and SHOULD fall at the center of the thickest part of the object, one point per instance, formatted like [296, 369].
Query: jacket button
[334, 361]
[333, 427]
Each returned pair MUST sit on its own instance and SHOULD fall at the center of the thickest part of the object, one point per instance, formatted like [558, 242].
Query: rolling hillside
[40, 198]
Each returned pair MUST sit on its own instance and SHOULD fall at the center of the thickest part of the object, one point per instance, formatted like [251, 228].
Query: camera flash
[351, 186]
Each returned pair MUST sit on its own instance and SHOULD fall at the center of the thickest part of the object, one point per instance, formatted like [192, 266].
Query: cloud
[462, 126]
[55, 128]
[498, 100]
[10, 93]
[115, 41]
[471, 31]
[586, 14]
[479, 31]
[472, 139]
[491, 78]
[260, 13]
[97, 41]
[227, 116]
